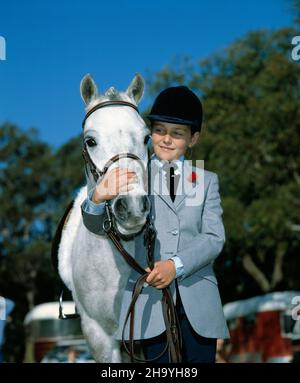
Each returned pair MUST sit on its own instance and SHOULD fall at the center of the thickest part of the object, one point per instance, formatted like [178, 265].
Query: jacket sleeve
[93, 216]
[206, 245]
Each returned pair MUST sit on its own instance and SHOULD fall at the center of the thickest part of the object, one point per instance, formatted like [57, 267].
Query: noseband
[100, 173]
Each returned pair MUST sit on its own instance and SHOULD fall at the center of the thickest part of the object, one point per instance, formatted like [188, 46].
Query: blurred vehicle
[263, 328]
[6, 307]
[69, 351]
[44, 330]
[296, 342]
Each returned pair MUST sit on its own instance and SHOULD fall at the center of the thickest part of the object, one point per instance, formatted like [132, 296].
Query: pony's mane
[111, 94]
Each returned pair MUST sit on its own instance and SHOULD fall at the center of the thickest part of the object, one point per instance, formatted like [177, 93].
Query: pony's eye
[91, 142]
[147, 139]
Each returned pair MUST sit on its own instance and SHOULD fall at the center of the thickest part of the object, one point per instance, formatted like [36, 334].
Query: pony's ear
[88, 89]
[136, 89]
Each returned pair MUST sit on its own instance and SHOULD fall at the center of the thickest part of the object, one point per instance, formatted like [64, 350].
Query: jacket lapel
[186, 185]
[158, 185]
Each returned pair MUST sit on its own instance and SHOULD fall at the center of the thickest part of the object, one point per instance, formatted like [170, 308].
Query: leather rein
[174, 341]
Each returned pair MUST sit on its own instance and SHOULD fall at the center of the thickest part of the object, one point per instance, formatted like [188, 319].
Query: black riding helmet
[178, 105]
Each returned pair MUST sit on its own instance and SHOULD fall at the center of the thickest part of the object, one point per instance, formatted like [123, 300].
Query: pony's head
[111, 130]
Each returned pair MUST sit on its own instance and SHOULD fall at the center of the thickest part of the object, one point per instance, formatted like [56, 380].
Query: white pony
[89, 264]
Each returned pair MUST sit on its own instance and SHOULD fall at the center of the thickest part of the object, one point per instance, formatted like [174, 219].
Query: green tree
[296, 10]
[252, 118]
[36, 184]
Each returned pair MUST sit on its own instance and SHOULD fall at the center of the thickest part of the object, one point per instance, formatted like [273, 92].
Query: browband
[107, 103]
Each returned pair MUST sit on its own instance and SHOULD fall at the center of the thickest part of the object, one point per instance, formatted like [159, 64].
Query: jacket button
[174, 232]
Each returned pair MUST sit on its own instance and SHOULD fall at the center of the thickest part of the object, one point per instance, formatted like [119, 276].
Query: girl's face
[170, 141]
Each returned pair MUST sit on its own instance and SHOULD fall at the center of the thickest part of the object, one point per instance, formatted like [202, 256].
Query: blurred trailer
[6, 307]
[44, 330]
[264, 329]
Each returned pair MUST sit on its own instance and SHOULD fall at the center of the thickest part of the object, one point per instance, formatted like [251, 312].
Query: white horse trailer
[44, 330]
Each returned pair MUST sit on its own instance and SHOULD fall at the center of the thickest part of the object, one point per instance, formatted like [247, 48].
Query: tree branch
[278, 262]
[255, 273]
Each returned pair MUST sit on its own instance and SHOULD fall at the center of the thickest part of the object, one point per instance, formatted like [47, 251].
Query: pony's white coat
[89, 264]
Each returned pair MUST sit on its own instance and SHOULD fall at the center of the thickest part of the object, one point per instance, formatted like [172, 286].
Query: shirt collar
[178, 162]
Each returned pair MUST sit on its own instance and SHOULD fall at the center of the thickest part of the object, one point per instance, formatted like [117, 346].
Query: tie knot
[170, 165]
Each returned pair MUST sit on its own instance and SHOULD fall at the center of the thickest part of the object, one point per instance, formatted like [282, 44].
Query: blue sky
[51, 45]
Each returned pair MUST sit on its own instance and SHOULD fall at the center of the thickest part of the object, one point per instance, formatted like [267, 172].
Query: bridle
[100, 173]
[97, 173]
[174, 341]
[87, 158]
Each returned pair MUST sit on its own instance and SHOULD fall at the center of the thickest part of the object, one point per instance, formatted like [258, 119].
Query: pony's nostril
[121, 206]
[146, 204]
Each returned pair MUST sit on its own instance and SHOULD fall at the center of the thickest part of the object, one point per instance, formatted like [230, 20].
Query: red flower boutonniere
[192, 177]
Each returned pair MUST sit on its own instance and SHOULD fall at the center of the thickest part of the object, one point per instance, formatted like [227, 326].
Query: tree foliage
[36, 184]
[296, 10]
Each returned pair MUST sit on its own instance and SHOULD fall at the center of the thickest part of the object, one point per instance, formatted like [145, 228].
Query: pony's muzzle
[131, 208]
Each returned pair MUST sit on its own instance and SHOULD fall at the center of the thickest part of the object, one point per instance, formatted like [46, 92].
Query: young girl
[190, 233]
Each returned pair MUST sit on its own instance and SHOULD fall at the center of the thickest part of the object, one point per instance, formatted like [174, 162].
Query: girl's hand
[114, 182]
[163, 273]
